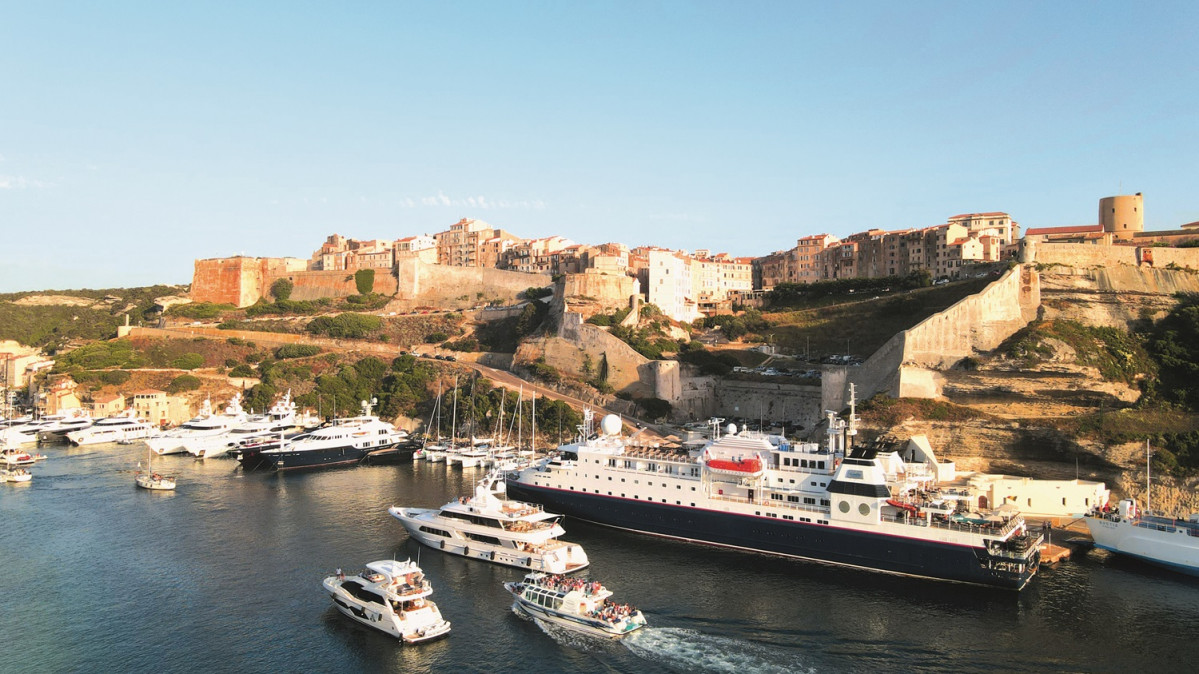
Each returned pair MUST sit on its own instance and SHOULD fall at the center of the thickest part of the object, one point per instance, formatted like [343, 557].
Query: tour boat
[112, 429]
[505, 532]
[392, 597]
[206, 424]
[574, 603]
[821, 503]
[346, 441]
[1164, 541]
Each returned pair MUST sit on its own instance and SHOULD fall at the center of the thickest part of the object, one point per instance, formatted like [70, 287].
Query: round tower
[1123, 216]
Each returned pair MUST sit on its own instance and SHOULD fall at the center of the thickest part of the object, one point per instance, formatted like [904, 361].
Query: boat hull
[792, 538]
[576, 623]
[1171, 549]
[313, 458]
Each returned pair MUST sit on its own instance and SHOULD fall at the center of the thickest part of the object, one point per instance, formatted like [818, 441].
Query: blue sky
[138, 136]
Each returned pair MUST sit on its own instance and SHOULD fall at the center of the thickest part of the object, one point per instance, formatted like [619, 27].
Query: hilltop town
[967, 315]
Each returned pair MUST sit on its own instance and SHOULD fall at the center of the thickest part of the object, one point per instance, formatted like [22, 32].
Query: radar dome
[610, 425]
[731, 429]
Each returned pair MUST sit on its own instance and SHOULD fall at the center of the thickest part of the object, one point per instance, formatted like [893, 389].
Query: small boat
[150, 479]
[505, 532]
[15, 475]
[17, 457]
[391, 597]
[574, 603]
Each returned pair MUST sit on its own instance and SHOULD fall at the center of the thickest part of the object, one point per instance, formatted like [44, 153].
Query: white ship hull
[1152, 540]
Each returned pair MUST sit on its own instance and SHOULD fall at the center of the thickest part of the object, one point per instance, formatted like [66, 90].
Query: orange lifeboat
[743, 467]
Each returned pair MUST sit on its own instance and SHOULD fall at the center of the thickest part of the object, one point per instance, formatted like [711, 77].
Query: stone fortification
[459, 287]
[768, 401]
[312, 285]
[906, 366]
[239, 281]
[598, 292]
[577, 341]
[1086, 256]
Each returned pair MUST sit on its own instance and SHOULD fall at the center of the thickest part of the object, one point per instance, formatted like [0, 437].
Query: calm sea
[224, 575]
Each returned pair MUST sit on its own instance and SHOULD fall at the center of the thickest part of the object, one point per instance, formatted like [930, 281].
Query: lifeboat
[903, 506]
[745, 467]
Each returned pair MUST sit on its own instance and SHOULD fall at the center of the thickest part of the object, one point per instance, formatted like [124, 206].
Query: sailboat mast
[1148, 484]
[533, 441]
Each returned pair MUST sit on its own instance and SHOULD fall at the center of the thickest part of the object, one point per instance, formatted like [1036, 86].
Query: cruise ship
[757, 492]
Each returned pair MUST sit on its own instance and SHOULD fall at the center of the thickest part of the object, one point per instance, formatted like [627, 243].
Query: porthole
[864, 509]
[843, 506]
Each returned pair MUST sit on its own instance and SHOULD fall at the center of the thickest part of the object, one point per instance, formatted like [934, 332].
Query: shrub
[296, 351]
[364, 280]
[241, 370]
[184, 382]
[655, 408]
[199, 310]
[354, 326]
[114, 377]
[436, 337]
[281, 289]
[467, 344]
[188, 361]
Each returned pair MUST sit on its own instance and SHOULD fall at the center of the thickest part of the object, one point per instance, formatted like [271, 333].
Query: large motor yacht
[281, 418]
[392, 597]
[121, 428]
[485, 527]
[345, 442]
[204, 425]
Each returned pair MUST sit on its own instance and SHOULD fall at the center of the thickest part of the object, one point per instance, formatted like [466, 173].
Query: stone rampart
[576, 341]
[606, 292]
[460, 287]
[768, 401]
[1085, 255]
[239, 281]
[312, 285]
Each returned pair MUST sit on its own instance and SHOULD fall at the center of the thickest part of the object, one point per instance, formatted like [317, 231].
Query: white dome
[610, 425]
[731, 429]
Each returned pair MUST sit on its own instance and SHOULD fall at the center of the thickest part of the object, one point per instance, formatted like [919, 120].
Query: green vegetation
[544, 371]
[284, 307]
[436, 337]
[885, 410]
[368, 302]
[787, 295]
[199, 310]
[464, 344]
[537, 293]
[188, 361]
[1174, 343]
[184, 382]
[749, 323]
[710, 363]
[1117, 354]
[296, 351]
[655, 408]
[349, 325]
[364, 281]
[281, 289]
[242, 370]
[99, 355]
[52, 326]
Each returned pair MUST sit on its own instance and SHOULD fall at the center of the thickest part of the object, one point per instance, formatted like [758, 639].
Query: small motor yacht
[392, 597]
[15, 475]
[574, 603]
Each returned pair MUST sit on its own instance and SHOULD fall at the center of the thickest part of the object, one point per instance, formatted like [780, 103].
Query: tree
[281, 289]
[188, 361]
[184, 382]
[364, 280]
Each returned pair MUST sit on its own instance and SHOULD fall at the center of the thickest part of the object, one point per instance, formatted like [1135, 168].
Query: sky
[136, 137]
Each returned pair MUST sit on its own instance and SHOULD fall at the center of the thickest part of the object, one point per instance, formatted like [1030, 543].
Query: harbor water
[224, 574]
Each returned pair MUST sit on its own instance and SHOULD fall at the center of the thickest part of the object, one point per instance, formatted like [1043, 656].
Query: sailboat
[1164, 541]
[149, 479]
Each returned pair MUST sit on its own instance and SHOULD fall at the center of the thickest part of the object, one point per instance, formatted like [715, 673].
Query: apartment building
[472, 243]
[669, 284]
[716, 279]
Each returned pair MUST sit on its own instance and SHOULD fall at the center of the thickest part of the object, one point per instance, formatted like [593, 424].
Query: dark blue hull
[314, 458]
[792, 538]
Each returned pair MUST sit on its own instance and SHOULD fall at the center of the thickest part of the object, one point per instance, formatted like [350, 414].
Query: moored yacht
[346, 441]
[505, 532]
[392, 597]
[60, 424]
[118, 428]
[574, 603]
[203, 425]
[752, 491]
[281, 418]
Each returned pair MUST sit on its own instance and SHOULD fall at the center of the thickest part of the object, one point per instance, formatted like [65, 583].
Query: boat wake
[687, 650]
[567, 637]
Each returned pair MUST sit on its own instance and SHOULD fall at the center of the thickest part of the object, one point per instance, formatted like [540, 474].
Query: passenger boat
[577, 604]
[505, 532]
[826, 504]
[345, 442]
[206, 424]
[1169, 542]
[112, 429]
[391, 597]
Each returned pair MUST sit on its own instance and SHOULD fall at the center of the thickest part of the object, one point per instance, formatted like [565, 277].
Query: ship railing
[772, 503]
[964, 527]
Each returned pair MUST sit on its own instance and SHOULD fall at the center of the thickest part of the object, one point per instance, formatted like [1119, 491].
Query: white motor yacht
[281, 418]
[119, 428]
[203, 425]
[15, 475]
[485, 527]
[60, 424]
[392, 597]
[574, 603]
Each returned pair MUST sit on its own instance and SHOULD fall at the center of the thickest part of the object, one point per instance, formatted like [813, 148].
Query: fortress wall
[770, 401]
[608, 291]
[445, 286]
